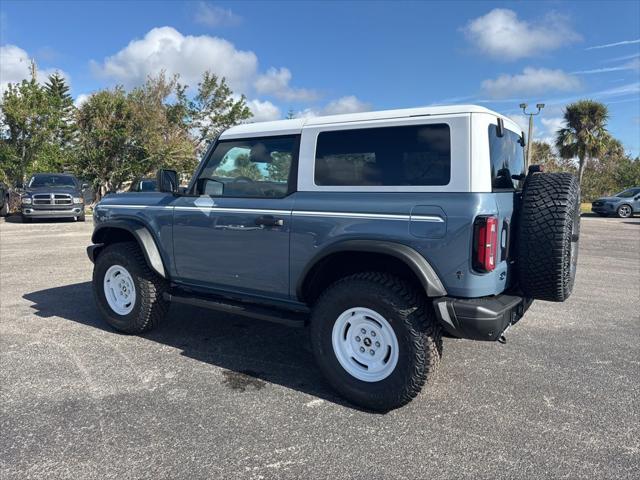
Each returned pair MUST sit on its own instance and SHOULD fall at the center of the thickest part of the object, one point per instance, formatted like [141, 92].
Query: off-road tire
[26, 219]
[150, 307]
[548, 233]
[4, 210]
[413, 322]
[82, 218]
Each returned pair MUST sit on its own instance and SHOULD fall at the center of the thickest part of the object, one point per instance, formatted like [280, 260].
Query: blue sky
[330, 57]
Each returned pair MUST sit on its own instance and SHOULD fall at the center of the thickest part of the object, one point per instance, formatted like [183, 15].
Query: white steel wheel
[119, 290]
[365, 344]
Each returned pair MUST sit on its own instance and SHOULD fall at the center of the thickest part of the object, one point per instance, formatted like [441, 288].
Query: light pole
[523, 106]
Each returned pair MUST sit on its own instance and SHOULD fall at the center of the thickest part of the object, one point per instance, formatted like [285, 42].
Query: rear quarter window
[417, 155]
[507, 159]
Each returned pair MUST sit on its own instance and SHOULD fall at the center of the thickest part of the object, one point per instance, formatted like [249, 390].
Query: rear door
[233, 232]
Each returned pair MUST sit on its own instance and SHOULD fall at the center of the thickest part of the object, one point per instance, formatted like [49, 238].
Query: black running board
[259, 312]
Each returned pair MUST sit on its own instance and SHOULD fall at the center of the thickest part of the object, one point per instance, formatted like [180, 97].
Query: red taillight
[485, 244]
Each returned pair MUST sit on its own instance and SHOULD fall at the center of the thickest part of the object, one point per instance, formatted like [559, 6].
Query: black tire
[149, 308]
[624, 211]
[5, 208]
[82, 218]
[413, 322]
[548, 234]
[26, 219]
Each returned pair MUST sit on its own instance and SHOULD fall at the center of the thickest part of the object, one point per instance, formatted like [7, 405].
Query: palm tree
[585, 135]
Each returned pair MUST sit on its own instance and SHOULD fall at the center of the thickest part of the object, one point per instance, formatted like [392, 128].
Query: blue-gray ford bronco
[378, 230]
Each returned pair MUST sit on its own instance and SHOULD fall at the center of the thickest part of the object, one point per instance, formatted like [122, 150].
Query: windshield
[52, 181]
[628, 193]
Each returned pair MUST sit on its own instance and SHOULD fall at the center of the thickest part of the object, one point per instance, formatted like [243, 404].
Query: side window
[386, 156]
[507, 159]
[253, 167]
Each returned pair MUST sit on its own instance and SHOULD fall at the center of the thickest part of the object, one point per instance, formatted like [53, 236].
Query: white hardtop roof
[295, 125]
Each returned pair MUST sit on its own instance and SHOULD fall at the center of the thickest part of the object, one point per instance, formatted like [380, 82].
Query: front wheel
[128, 293]
[624, 211]
[375, 339]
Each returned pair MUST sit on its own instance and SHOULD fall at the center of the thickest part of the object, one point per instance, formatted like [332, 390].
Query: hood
[609, 199]
[68, 190]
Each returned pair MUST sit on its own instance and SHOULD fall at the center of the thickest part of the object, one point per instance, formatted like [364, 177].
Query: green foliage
[108, 154]
[213, 110]
[585, 135]
[244, 167]
[612, 172]
[279, 167]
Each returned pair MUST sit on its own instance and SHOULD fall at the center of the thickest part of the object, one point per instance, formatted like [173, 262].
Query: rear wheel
[375, 339]
[548, 234]
[128, 293]
[624, 211]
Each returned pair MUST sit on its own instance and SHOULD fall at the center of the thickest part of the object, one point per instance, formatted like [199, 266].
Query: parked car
[623, 204]
[144, 185]
[377, 229]
[4, 199]
[52, 195]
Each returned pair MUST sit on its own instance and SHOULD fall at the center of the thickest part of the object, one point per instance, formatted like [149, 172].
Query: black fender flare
[143, 236]
[429, 279]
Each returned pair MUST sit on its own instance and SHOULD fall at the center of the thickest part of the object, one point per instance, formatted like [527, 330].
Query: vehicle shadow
[252, 351]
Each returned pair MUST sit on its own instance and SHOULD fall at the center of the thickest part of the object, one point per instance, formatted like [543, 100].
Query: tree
[213, 110]
[25, 127]
[585, 135]
[544, 154]
[62, 109]
[159, 129]
[107, 153]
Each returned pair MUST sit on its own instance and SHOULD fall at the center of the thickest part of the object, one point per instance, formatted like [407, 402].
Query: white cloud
[276, 82]
[553, 124]
[263, 111]
[15, 66]
[634, 64]
[80, 99]
[502, 35]
[531, 81]
[165, 48]
[214, 16]
[347, 104]
[616, 44]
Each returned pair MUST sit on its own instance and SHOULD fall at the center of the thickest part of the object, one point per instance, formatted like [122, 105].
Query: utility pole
[523, 106]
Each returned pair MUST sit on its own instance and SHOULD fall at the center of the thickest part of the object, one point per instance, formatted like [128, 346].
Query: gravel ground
[214, 396]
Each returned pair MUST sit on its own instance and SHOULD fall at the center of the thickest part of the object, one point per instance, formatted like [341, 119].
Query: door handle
[269, 221]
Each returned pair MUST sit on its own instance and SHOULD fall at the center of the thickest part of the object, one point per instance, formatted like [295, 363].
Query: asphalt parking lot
[215, 396]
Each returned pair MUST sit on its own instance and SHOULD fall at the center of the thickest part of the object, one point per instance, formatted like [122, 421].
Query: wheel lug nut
[358, 339]
[363, 331]
[373, 334]
[378, 344]
[362, 349]
[371, 352]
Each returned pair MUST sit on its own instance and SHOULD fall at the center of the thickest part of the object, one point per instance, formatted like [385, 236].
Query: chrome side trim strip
[297, 213]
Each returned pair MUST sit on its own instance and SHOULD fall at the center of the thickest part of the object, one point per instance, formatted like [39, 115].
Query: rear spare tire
[548, 233]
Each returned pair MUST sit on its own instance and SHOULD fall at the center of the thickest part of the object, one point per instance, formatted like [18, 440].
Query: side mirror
[167, 181]
[637, 197]
[84, 186]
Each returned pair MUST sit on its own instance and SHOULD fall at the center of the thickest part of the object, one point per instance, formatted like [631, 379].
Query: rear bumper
[57, 213]
[482, 318]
